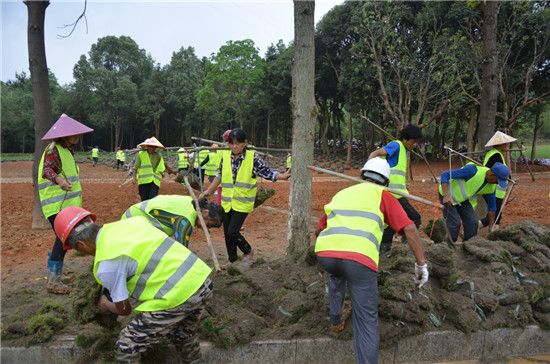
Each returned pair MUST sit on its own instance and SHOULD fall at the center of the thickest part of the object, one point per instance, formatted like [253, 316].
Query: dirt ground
[274, 298]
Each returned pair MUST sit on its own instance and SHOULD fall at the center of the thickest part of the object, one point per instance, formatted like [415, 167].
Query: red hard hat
[117, 148]
[67, 219]
[226, 135]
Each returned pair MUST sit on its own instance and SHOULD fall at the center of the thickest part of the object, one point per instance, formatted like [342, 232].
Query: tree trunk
[267, 134]
[489, 88]
[304, 114]
[538, 125]
[41, 95]
[470, 132]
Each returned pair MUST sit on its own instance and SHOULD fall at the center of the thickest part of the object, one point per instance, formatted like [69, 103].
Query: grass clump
[42, 327]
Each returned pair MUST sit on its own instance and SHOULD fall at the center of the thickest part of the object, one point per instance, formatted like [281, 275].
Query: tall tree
[304, 113]
[38, 67]
[233, 72]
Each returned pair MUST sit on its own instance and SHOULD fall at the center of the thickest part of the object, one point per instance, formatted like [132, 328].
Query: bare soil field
[475, 286]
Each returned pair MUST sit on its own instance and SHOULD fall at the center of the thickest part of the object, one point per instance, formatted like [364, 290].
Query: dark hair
[87, 234]
[215, 211]
[238, 134]
[411, 131]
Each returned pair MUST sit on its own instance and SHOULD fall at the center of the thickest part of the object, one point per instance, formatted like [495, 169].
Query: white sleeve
[114, 273]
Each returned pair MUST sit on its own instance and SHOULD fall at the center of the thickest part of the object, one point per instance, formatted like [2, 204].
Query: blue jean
[453, 216]
[363, 290]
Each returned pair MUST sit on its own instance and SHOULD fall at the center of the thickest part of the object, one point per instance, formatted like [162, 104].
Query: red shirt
[394, 216]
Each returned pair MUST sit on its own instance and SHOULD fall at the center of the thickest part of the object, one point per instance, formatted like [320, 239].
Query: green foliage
[42, 327]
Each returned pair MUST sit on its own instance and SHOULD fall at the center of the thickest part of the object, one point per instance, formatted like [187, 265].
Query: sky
[159, 27]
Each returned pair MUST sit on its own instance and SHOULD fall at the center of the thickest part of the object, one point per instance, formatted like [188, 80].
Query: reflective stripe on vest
[354, 222]
[173, 204]
[461, 190]
[167, 273]
[146, 174]
[183, 161]
[52, 197]
[212, 164]
[500, 191]
[398, 173]
[239, 196]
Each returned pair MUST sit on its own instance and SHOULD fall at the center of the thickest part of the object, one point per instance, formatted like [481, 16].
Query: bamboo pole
[203, 224]
[504, 203]
[354, 179]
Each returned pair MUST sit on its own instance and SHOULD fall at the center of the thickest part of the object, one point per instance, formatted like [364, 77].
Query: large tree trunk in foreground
[489, 88]
[304, 113]
[41, 95]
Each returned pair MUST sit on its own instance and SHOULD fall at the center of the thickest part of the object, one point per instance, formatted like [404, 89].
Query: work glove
[420, 274]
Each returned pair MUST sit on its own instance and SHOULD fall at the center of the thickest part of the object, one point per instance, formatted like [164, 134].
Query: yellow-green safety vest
[95, 152]
[167, 273]
[213, 163]
[183, 160]
[500, 191]
[289, 161]
[398, 173]
[239, 196]
[52, 197]
[354, 222]
[200, 157]
[461, 190]
[146, 174]
[120, 155]
[174, 204]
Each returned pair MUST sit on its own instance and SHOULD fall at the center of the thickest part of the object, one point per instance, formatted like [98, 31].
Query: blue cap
[502, 172]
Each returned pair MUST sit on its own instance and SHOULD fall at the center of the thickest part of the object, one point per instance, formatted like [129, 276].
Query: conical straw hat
[181, 150]
[500, 138]
[152, 142]
[66, 126]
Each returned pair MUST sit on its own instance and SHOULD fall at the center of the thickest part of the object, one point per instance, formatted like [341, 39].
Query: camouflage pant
[178, 324]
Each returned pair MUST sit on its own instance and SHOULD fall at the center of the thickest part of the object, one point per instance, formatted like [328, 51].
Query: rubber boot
[55, 271]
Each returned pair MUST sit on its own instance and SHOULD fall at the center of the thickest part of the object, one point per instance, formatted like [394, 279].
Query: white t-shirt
[115, 273]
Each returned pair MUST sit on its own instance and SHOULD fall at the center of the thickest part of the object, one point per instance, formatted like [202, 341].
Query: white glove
[420, 274]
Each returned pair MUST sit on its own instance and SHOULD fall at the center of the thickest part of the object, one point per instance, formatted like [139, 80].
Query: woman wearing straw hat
[149, 169]
[59, 187]
[500, 143]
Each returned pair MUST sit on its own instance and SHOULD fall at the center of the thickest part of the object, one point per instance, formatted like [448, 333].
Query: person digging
[133, 258]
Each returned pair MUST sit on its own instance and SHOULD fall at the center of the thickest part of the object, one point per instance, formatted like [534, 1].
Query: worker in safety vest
[176, 215]
[59, 187]
[500, 143]
[95, 155]
[135, 259]
[465, 183]
[183, 159]
[213, 163]
[429, 151]
[149, 168]
[396, 155]
[347, 247]
[289, 161]
[120, 158]
[238, 175]
[200, 159]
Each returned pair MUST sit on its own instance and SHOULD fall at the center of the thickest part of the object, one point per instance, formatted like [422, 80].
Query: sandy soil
[24, 250]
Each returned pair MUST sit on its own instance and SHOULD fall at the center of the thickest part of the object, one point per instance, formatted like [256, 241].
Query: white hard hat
[377, 169]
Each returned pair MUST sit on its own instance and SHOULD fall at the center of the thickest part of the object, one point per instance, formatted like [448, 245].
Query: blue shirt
[465, 173]
[393, 153]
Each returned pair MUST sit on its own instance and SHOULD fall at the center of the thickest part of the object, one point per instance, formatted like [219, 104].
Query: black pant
[485, 220]
[148, 191]
[232, 223]
[58, 253]
[387, 237]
